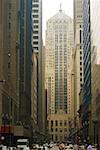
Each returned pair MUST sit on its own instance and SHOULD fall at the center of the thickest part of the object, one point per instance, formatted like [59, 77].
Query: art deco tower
[59, 43]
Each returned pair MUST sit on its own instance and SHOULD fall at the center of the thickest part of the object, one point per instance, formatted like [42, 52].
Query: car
[35, 146]
[40, 148]
[12, 148]
[2, 147]
[61, 146]
[70, 146]
[66, 147]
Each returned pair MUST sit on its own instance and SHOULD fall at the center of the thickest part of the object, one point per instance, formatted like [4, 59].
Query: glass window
[51, 123]
[51, 129]
[35, 16]
[65, 122]
[56, 122]
[60, 122]
[35, 0]
[56, 129]
[35, 5]
[61, 130]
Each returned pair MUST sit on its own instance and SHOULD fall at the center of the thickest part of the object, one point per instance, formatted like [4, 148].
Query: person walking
[89, 147]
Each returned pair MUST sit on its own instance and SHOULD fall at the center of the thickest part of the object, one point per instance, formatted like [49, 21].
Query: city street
[49, 74]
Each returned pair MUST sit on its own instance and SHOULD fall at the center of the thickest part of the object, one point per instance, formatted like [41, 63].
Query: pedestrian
[75, 147]
[89, 147]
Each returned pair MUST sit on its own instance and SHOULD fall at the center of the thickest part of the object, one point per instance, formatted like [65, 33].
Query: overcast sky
[51, 7]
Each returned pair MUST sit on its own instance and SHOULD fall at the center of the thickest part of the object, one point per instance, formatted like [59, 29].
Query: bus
[23, 144]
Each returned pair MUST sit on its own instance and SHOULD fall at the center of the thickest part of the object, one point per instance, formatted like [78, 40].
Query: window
[65, 130]
[35, 0]
[35, 48]
[35, 10]
[80, 36]
[81, 68]
[81, 85]
[56, 137]
[36, 21]
[51, 123]
[36, 32]
[51, 129]
[35, 16]
[65, 122]
[60, 122]
[80, 58]
[9, 65]
[35, 5]
[35, 37]
[56, 129]
[56, 123]
[80, 79]
[35, 27]
[35, 43]
[9, 25]
[80, 74]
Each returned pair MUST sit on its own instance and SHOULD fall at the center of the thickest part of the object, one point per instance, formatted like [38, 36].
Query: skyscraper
[95, 62]
[8, 68]
[38, 51]
[78, 51]
[86, 118]
[37, 25]
[24, 50]
[59, 43]
[15, 68]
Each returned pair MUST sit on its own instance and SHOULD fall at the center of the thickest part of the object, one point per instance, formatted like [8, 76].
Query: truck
[23, 144]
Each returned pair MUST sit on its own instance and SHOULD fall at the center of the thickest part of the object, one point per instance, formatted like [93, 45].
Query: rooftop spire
[60, 10]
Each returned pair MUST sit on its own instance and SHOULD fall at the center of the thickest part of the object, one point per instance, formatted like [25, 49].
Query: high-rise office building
[78, 51]
[8, 68]
[15, 68]
[95, 61]
[59, 43]
[86, 117]
[37, 25]
[34, 91]
[24, 50]
[38, 50]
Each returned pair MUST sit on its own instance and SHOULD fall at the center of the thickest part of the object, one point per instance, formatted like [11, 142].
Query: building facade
[38, 50]
[34, 91]
[59, 44]
[95, 59]
[78, 53]
[78, 61]
[87, 71]
[8, 68]
[15, 69]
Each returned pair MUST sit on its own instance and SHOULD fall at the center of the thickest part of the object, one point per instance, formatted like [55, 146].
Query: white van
[23, 144]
